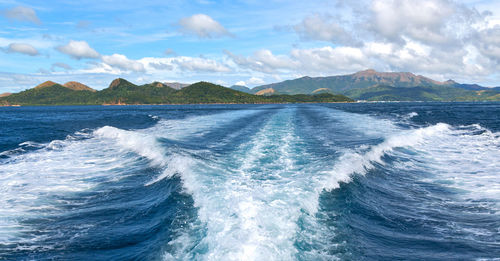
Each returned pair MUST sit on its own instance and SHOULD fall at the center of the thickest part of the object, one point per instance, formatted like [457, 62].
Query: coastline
[160, 104]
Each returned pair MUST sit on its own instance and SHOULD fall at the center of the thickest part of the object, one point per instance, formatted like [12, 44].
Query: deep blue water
[367, 181]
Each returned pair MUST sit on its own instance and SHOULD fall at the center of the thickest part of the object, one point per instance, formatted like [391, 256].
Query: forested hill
[121, 91]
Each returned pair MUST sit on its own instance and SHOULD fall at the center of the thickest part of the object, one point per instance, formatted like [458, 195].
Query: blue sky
[244, 42]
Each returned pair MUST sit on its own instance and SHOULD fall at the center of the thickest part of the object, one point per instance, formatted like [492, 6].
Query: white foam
[29, 182]
[411, 115]
[352, 162]
[465, 160]
[250, 203]
[196, 126]
[362, 123]
[139, 142]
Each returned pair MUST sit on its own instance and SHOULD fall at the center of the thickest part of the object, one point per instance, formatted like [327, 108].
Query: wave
[352, 162]
[33, 181]
[141, 143]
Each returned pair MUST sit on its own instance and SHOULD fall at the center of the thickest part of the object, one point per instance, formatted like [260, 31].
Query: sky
[244, 42]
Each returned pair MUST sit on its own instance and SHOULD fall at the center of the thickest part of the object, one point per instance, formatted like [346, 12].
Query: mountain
[366, 85]
[362, 79]
[76, 86]
[45, 84]
[421, 93]
[121, 91]
[5, 94]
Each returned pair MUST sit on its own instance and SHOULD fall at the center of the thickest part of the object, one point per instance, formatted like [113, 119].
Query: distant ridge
[5, 94]
[368, 85]
[384, 86]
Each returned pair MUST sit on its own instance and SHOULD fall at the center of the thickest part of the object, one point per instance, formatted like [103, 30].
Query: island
[123, 92]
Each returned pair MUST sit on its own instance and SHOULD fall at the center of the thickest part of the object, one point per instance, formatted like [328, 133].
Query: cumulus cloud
[160, 66]
[427, 21]
[200, 65]
[263, 61]
[328, 59]
[22, 48]
[252, 81]
[202, 26]
[488, 43]
[121, 61]
[323, 28]
[255, 81]
[241, 83]
[78, 50]
[21, 13]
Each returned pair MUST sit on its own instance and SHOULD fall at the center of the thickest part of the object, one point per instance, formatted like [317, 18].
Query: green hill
[120, 91]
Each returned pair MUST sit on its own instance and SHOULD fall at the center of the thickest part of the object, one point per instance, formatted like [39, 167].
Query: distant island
[368, 85]
[123, 92]
[371, 85]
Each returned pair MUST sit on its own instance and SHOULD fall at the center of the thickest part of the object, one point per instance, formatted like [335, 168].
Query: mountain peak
[366, 72]
[450, 81]
[76, 86]
[45, 84]
[118, 81]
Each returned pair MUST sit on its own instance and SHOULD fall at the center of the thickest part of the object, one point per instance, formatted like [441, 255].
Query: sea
[353, 181]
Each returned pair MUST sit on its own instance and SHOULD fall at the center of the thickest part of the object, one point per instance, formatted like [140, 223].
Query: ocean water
[367, 181]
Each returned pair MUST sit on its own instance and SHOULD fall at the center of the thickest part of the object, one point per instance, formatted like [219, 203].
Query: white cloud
[329, 60]
[121, 62]
[263, 61]
[22, 13]
[200, 65]
[203, 26]
[22, 48]
[241, 83]
[428, 21]
[255, 81]
[78, 50]
[251, 81]
[323, 28]
[161, 66]
[488, 43]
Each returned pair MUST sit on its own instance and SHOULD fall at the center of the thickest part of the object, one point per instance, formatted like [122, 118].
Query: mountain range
[368, 85]
[121, 92]
[382, 86]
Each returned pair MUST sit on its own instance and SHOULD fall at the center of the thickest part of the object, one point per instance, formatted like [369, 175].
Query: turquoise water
[385, 181]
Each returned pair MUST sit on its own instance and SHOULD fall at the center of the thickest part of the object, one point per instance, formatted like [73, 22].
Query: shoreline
[163, 104]
[266, 103]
